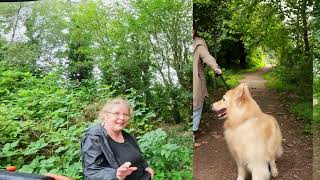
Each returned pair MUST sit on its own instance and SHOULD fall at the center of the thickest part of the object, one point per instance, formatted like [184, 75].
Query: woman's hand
[149, 170]
[218, 71]
[58, 177]
[125, 170]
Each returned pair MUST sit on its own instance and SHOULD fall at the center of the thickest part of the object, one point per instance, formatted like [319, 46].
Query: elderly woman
[108, 152]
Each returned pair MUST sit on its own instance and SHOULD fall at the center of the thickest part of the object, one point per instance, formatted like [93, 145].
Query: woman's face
[117, 118]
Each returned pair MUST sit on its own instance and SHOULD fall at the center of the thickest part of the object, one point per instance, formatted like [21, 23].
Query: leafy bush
[231, 52]
[303, 110]
[171, 104]
[169, 159]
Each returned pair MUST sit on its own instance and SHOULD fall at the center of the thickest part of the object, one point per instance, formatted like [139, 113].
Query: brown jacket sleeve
[206, 57]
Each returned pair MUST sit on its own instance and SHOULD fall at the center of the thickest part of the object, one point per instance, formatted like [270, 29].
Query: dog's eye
[223, 99]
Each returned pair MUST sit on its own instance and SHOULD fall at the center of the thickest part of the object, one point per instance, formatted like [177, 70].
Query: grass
[274, 83]
[234, 75]
[300, 107]
[302, 110]
[231, 76]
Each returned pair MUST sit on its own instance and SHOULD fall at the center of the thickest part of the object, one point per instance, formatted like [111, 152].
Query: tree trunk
[305, 25]
[16, 24]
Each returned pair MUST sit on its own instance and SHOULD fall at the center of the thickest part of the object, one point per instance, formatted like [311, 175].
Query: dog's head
[233, 102]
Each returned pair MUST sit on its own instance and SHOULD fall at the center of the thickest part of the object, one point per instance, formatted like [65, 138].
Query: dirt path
[316, 151]
[212, 160]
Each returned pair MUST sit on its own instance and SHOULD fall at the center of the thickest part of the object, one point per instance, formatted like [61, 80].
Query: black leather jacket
[98, 160]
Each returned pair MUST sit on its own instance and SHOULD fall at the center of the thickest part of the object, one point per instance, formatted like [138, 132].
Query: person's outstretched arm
[208, 59]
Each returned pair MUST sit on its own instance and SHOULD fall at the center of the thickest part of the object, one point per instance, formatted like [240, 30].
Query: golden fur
[253, 137]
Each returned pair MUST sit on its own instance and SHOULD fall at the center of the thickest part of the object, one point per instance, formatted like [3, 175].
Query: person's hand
[218, 71]
[125, 170]
[58, 177]
[149, 170]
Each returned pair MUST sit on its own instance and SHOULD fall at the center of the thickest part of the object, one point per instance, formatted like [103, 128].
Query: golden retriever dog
[253, 137]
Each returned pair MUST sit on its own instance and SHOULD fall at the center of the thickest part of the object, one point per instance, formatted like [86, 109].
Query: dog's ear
[246, 90]
[243, 92]
[240, 90]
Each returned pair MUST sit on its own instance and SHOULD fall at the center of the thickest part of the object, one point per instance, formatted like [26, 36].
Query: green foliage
[80, 67]
[37, 117]
[17, 55]
[169, 23]
[41, 123]
[209, 15]
[274, 82]
[172, 104]
[167, 157]
[231, 76]
[256, 59]
[143, 115]
[303, 110]
[231, 52]
[8, 12]
[301, 107]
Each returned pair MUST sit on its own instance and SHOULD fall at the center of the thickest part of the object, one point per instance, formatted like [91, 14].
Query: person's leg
[196, 118]
[196, 121]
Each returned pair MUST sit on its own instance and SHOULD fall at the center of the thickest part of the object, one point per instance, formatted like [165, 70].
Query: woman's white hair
[110, 104]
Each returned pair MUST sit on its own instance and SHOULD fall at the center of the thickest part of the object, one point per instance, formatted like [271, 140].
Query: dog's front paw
[240, 178]
[274, 172]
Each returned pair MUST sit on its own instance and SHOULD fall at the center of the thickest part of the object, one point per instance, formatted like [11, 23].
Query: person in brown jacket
[201, 56]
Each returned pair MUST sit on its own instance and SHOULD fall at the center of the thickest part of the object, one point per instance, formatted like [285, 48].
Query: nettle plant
[169, 159]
